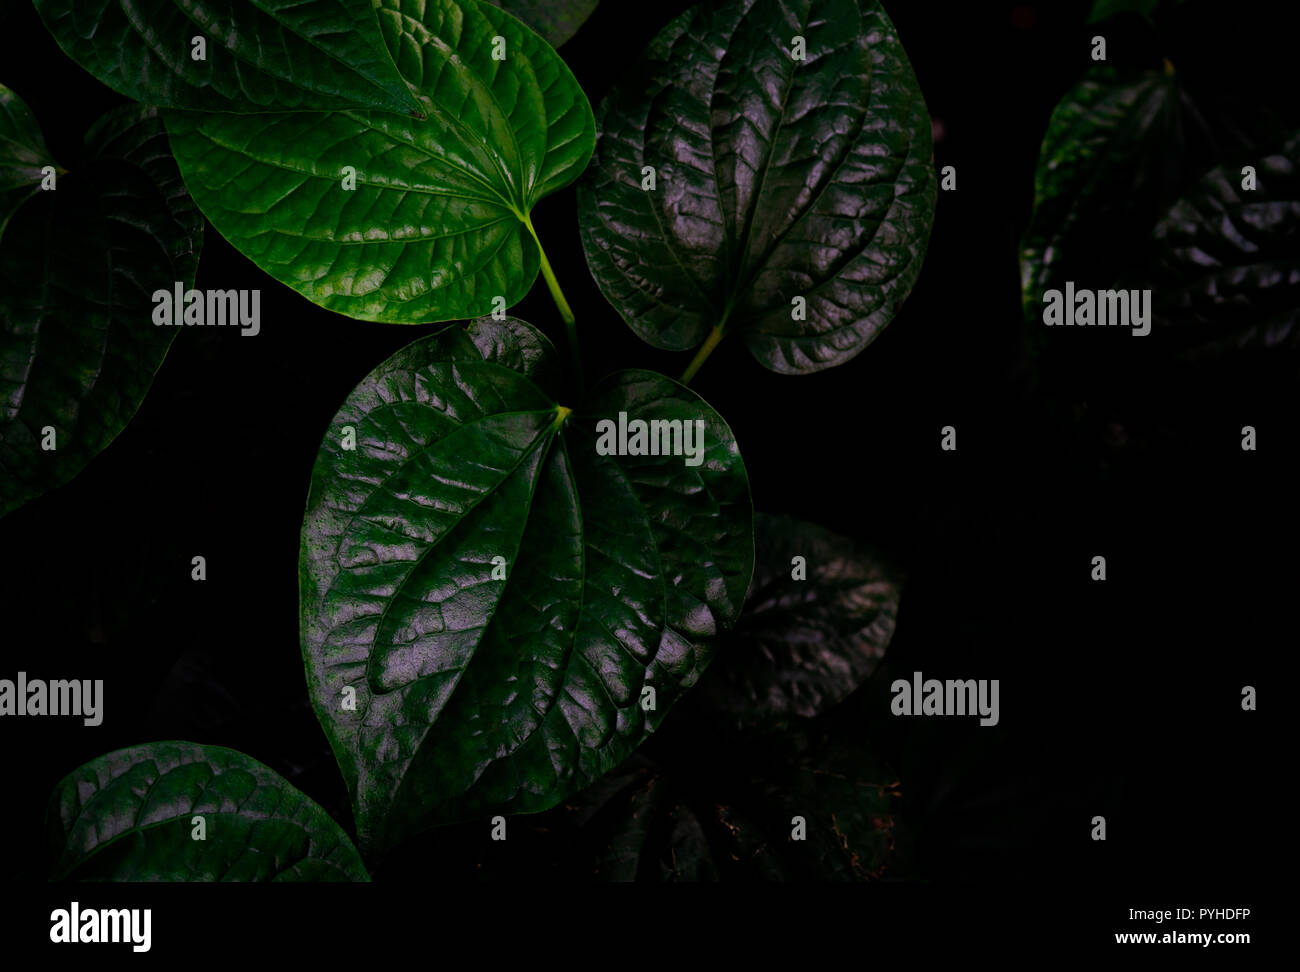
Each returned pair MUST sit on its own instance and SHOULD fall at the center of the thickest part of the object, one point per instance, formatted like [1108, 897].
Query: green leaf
[22, 154]
[803, 646]
[1224, 269]
[260, 54]
[129, 816]
[438, 224]
[776, 179]
[1120, 149]
[555, 20]
[476, 694]
[78, 267]
[1113, 156]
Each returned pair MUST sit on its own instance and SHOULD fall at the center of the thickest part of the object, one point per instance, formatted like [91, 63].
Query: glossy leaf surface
[437, 225]
[258, 55]
[484, 597]
[129, 816]
[776, 178]
[78, 267]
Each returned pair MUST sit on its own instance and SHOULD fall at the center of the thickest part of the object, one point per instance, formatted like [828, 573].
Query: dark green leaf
[1113, 156]
[556, 20]
[1225, 269]
[802, 646]
[260, 54]
[1120, 149]
[78, 268]
[438, 224]
[128, 816]
[776, 179]
[476, 694]
[22, 154]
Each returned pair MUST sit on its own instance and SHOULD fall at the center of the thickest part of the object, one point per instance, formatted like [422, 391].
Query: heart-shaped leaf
[254, 55]
[23, 154]
[1225, 269]
[819, 615]
[131, 816]
[437, 226]
[495, 609]
[793, 191]
[556, 20]
[78, 266]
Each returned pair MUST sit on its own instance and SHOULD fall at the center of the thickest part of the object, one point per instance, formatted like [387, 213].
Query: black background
[1119, 698]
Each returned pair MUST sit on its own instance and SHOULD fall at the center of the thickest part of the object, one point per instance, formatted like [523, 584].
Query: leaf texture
[259, 55]
[437, 225]
[452, 683]
[775, 179]
[129, 816]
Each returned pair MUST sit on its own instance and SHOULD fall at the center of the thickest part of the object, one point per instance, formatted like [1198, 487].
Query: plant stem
[702, 354]
[562, 305]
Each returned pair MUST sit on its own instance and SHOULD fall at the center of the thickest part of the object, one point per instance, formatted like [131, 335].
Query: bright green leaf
[776, 179]
[484, 597]
[130, 816]
[437, 226]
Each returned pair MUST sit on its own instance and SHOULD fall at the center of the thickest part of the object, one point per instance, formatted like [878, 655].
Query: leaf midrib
[747, 232]
[452, 56]
[459, 521]
[551, 435]
[331, 177]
